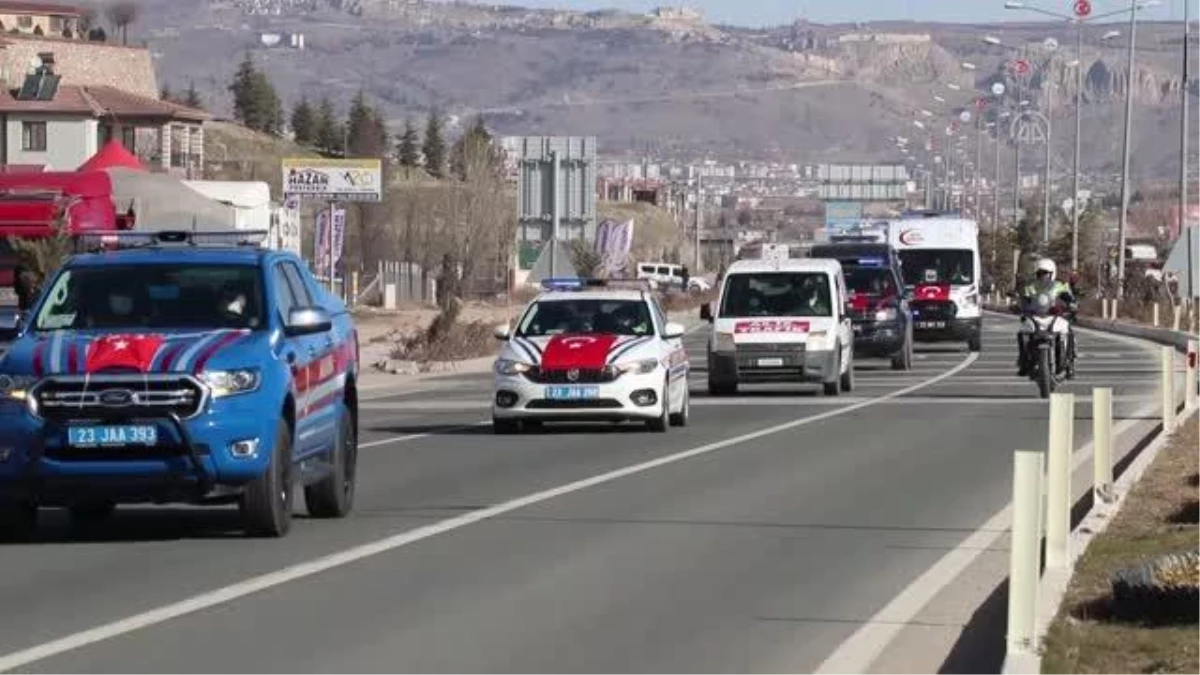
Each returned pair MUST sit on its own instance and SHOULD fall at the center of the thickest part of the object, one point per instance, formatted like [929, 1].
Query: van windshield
[776, 294]
[938, 266]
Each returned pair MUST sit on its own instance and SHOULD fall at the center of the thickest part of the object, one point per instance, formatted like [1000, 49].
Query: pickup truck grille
[108, 396]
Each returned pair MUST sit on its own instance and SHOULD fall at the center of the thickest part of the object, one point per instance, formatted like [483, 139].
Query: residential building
[40, 18]
[57, 125]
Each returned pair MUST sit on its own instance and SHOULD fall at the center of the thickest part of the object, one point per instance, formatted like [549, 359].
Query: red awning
[112, 155]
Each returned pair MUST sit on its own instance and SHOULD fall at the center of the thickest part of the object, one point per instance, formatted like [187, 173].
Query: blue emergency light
[871, 262]
[562, 283]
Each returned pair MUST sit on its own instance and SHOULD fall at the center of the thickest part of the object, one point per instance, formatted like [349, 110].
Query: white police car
[586, 351]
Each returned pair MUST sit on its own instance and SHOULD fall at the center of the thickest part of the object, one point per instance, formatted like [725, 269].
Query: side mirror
[672, 330]
[706, 312]
[501, 332]
[308, 321]
[10, 324]
[907, 294]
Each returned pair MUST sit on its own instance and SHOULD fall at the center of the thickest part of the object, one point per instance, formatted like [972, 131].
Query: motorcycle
[1046, 346]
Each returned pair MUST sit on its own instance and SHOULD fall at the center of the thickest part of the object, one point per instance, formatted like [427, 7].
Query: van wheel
[834, 387]
[847, 378]
[975, 344]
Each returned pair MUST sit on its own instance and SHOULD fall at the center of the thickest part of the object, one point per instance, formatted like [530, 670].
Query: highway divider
[1043, 497]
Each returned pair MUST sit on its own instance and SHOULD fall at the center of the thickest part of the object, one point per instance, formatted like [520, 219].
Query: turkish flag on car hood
[931, 292]
[577, 351]
[134, 352]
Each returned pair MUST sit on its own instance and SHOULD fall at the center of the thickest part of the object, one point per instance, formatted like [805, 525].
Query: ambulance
[939, 257]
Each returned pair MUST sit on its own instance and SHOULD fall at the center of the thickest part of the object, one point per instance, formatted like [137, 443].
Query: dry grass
[1159, 517]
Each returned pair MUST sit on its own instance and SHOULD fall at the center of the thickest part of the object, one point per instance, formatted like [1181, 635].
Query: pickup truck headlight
[230, 382]
[507, 367]
[16, 387]
[724, 343]
[886, 314]
[640, 367]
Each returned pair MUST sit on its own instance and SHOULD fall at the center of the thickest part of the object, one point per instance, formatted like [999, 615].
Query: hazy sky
[772, 12]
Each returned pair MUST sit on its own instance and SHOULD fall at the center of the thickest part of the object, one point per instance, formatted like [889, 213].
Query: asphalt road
[771, 528]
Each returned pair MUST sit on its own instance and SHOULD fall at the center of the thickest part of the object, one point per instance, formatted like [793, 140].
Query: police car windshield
[870, 281]
[586, 315]
[153, 296]
[776, 294]
[937, 266]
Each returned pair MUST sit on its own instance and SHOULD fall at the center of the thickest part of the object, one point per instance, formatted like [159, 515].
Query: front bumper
[193, 459]
[771, 363]
[952, 330]
[878, 338]
[607, 401]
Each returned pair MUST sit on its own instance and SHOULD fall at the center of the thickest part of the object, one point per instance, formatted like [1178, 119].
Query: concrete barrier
[1058, 479]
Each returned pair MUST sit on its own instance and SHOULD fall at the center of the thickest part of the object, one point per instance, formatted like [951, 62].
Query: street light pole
[1129, 84]
[996, 200]
[1017, 166]
[1078, 128]
[1049, 127]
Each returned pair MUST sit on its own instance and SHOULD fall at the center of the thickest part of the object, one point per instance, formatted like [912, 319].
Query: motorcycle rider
[1044, 282]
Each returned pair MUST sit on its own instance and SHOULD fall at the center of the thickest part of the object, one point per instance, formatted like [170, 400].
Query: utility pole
[978, 166]
[996, 200]
[1017, 165]
[1129, 84]
[1078, 128]
[1183, 132]
[699, 210]
[554, 216]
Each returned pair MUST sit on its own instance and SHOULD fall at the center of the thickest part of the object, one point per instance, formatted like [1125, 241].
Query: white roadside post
[1058, 479]
[1167, 388]
[1113, 313]
[1189, 378]
[1156, 315]
[1024, 561]
[1178, 312]
[1102, 442]
[1104, 308]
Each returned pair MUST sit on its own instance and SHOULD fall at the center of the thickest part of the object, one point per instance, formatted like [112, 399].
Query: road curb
[1053, 584]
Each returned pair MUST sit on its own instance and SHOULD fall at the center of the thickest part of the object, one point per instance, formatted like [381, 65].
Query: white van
[665, 275]
[939, 258]
[781, 321]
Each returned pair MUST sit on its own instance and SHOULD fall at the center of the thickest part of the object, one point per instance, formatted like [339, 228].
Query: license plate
[133, 434]
[572, 393]
[770, 363]
[931, 324]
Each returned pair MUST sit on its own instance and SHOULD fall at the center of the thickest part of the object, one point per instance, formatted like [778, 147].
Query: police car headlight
[230, 382]
[507, 367]
[886, 314]
[724, 342]
[16, 387]
[638, 367]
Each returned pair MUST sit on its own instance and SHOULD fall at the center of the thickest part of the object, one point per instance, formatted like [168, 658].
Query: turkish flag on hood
[122, 351]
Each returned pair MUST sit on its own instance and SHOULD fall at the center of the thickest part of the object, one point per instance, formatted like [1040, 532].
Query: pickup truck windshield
[776, 294]
[871, 281]
[153, 296]
[608, 317]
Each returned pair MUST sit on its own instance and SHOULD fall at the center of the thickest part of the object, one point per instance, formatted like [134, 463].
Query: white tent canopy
[161, 202]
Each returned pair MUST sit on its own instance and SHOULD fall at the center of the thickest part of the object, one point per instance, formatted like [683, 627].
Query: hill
[670, 83]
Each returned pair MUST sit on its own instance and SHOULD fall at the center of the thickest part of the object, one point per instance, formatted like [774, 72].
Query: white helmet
[1046, 265]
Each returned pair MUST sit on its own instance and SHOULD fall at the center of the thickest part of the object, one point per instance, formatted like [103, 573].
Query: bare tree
[121, 14]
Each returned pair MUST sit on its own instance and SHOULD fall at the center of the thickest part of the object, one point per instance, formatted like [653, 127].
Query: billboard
[556, 175]
[341, 180]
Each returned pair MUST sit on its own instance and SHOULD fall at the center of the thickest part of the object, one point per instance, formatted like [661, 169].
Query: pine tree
[192, 97]
[434, 147]
[408, 149]
[359, 129]
[166, 94]
[255, 103]
[476, 142]
[327, 134]
[304, 122]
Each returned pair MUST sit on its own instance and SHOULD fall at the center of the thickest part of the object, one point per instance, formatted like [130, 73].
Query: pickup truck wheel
[266, 505]
[18, 520]
[91, 513]
[333, 496]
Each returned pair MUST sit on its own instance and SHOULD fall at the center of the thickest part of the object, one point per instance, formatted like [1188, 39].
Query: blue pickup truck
[168, 369]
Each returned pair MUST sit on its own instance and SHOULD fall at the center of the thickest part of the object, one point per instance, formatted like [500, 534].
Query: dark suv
[877, 306]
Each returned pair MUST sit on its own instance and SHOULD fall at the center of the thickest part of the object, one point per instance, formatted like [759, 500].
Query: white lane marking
[859, 651]
[262, 582]
[414, 437]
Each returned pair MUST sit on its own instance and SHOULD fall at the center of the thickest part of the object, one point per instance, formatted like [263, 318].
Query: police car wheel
[18, 520]
[266, 505]
[505, 427]
[663, 421]
[680, 419]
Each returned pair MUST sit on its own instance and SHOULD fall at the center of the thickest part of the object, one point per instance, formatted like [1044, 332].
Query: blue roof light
[562, 284]
[871, 262]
